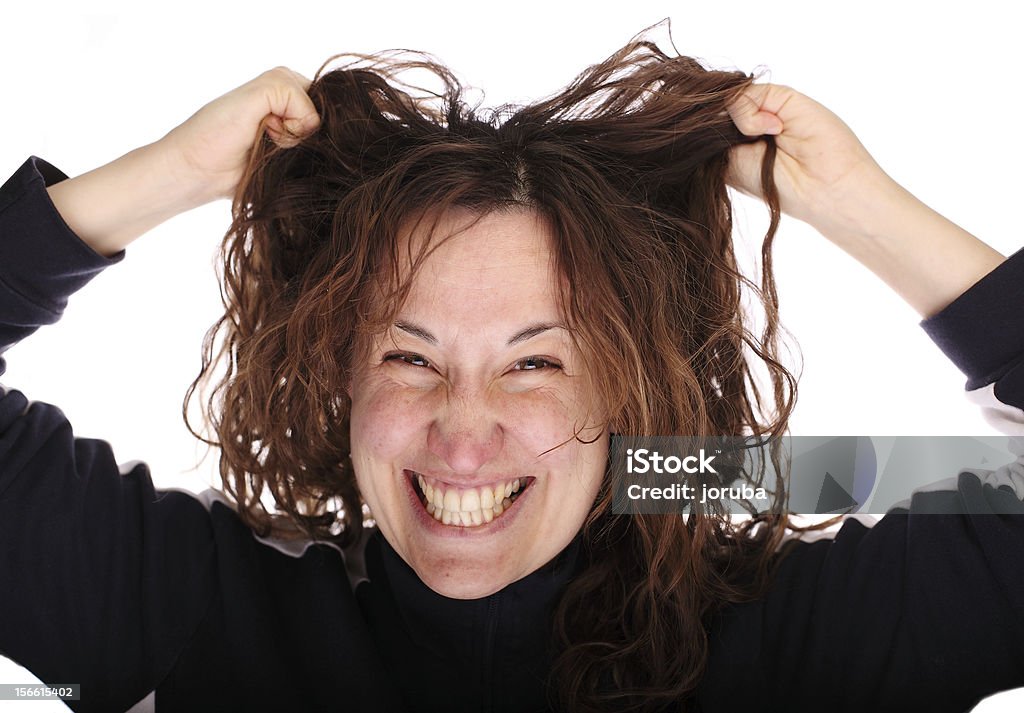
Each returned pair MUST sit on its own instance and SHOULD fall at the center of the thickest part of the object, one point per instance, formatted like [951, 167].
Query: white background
[930, 88]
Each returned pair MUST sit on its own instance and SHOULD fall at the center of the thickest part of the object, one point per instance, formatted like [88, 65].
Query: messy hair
[627, 164]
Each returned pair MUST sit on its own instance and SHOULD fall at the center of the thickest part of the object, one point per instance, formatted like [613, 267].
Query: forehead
[490, 269]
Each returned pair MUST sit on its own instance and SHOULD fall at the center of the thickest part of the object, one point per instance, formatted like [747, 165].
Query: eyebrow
[530, 332]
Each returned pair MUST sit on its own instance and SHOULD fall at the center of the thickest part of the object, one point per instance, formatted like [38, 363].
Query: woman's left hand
[822, 170]
[826, 178]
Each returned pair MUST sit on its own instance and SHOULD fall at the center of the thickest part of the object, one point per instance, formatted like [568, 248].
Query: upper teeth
[466, 507]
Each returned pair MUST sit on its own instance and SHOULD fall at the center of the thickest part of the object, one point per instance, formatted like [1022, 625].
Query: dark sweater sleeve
[42, 261]
[102, 578]
[982, 333]
[917, 612]
[922, 610]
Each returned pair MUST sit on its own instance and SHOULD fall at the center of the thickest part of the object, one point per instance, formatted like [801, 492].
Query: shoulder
[234, 538]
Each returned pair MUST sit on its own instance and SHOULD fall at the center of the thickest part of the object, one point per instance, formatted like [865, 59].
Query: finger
[279, 134]
[287, 100]
[744, 169]
[753, 112]
[305, 117]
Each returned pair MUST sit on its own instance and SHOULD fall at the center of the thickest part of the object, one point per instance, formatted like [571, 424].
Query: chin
[461, 579]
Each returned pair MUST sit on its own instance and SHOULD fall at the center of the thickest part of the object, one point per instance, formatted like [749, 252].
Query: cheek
[384, 421]
[543, 426]
[538, 418]
[383, 429]
[546, 413]
[573, 441]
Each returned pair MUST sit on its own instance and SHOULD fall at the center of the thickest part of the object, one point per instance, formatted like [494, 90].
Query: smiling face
[464, 413]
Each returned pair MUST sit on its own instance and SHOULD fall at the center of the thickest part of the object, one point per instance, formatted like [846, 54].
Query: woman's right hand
[199, 161]
[213, 145]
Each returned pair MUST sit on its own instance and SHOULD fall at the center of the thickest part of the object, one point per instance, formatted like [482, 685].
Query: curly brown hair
[628, 164]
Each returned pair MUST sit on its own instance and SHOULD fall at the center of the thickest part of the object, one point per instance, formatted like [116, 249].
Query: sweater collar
[455, 654]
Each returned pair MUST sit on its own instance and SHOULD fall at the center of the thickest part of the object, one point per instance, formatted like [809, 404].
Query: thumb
[750, 115]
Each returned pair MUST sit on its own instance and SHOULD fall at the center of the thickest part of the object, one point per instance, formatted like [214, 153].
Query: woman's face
[464, 413]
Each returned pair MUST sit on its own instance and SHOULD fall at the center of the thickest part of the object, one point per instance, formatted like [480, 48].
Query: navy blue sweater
[164, 600]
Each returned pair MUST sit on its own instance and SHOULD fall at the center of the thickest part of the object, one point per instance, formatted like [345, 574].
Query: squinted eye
[413, 359]
[535, 364]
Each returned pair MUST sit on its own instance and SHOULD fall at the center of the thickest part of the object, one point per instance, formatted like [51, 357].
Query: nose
[466, 434]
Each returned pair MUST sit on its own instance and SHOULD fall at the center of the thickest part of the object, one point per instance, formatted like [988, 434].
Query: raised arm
[103, 579]
[968, 293]
[195, 163]
[827, 179]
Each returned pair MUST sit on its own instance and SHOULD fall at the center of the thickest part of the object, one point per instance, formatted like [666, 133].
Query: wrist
[927, 259]
[189, 187]
[866, 209]
[111, 206]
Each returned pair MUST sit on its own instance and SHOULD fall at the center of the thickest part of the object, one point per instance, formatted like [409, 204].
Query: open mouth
[467, 507]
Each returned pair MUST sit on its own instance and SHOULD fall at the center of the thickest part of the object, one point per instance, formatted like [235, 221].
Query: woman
[444, 317]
